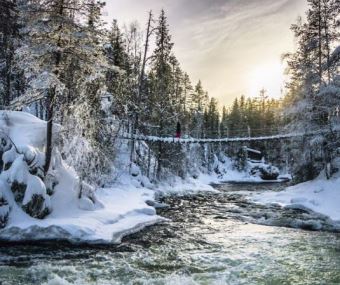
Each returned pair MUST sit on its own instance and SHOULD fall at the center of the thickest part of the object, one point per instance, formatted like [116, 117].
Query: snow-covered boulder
[4, 209]
[29, 190]
[265, 171]
[5, 145]
[8, 157]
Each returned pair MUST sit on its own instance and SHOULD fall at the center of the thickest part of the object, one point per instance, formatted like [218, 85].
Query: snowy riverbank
[70, 211]
[123, 212]
[320, 195]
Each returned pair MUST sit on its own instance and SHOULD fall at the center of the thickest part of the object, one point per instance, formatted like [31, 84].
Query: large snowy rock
[29, 190]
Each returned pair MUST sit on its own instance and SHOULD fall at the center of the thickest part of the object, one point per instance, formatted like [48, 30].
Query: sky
[233, 46]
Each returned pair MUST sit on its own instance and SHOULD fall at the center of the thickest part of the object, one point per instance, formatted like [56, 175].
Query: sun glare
[269, 76]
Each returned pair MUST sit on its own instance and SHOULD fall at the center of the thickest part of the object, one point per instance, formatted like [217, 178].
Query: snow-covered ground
[111, 214]
[123, 212]
[320, 195]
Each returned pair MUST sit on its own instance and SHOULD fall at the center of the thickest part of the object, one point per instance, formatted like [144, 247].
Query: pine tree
[234, 119]
[8, 42]
[117, 77]
[224, 123]
[314, 94]
[213, 119]
[116, 48]
[55, 44]
[199, 100]
[161, 85]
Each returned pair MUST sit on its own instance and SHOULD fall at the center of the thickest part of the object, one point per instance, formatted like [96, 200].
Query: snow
[320, 195]
[24, 129]
[124, 212]
[189, 185]
[104, 216]
[34, 187]
[203, 181]
[19, 171]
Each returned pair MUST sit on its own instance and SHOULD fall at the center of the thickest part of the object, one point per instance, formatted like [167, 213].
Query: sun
[268, 76]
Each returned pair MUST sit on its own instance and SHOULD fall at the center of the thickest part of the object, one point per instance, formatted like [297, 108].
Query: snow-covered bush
[87, 197]
[5, 145]
[50, 182]
[92, 162]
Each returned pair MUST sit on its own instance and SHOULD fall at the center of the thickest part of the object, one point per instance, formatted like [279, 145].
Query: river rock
[266, 172]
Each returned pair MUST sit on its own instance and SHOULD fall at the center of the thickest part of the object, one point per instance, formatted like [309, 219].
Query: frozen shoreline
[109, 224]
[320, 195]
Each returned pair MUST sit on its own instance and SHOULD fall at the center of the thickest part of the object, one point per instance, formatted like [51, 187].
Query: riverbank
[320, 195]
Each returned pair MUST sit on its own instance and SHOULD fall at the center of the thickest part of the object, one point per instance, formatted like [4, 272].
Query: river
[211, 238]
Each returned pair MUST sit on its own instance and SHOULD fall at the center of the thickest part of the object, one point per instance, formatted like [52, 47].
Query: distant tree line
[257, 116]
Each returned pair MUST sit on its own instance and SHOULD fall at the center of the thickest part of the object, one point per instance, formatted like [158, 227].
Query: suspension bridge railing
[193, 140]
[223, 140]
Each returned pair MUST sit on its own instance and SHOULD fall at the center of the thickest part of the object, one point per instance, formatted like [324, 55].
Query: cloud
[218, 41]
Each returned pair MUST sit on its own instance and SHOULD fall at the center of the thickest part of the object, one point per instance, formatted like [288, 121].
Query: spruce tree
[8, 42]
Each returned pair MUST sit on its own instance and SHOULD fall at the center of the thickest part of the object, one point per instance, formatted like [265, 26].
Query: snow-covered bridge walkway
[222, 140]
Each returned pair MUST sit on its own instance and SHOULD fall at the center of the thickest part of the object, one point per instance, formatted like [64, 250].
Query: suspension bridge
[145, 138]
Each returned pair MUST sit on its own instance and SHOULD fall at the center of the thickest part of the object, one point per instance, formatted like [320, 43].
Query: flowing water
[211, 239]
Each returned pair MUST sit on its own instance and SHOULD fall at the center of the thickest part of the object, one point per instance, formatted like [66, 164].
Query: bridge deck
[220, 140]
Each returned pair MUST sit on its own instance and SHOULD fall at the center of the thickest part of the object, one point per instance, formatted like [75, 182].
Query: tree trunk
[140, 88]
[326, 16]
[51, 99]
[49, 130]
[149, 162]
[159, 160]
[320, 42]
